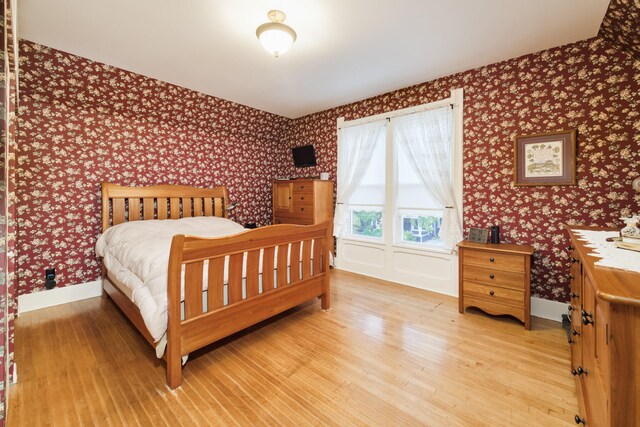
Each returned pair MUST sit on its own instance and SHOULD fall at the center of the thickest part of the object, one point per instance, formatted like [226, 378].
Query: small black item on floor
[250, 225]
[50, 276]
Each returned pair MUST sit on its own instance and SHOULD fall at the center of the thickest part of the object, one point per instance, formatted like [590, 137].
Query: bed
[215, 286]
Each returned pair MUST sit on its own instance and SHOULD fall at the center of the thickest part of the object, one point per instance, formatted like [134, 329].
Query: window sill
[417, 249]
[432, 249]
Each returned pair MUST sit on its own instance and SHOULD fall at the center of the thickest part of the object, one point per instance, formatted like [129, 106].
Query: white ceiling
[347, 50]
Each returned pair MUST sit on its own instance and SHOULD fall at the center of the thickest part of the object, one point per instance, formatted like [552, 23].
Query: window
[393, 200]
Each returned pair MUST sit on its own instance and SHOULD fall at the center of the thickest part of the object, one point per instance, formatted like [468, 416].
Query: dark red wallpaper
[83, 122]
[589, 86]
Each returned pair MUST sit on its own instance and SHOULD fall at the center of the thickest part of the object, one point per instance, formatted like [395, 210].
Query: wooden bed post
[325, 300]
[174, 341]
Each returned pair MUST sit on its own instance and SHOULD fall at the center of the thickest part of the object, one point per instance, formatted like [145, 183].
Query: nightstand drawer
[494, 294]
[491, 276]
[495, 308]
[494, 260]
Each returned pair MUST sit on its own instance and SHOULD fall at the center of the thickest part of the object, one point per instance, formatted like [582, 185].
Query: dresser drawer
[302, 187]
[494, 294]
[494, 260]
[494, 277]
[302, 199]
[303, 211]
[293, 220]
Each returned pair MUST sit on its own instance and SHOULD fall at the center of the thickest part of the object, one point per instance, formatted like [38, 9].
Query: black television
[304, 156]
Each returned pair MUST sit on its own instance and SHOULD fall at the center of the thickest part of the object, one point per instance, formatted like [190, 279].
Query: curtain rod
[403, 112]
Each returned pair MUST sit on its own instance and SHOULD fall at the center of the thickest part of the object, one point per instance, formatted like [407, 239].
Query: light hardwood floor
[385, 354]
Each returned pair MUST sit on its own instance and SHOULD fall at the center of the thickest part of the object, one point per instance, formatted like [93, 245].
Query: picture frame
[478, 235]
[545, 159]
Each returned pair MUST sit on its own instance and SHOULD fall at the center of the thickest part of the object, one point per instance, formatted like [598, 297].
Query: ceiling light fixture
[275, 36]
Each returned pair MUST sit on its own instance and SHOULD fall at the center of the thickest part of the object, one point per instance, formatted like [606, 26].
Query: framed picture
[545, 159]
[478, 235]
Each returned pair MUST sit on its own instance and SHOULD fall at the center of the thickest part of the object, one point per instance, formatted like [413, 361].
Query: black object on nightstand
[250, 225]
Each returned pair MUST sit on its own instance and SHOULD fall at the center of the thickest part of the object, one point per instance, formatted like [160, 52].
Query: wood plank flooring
[384, 354]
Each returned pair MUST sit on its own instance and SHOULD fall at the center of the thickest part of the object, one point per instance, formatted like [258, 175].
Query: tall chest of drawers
[302, 201]
[496, 279]
[604, 308]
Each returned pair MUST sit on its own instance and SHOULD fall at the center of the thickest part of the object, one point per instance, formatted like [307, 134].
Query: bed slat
[208, 206]
[317, 249]
[215, 277]
[193, 289]
[235, 278]
[253, 273]
[217, 209]
[197, 206]
[283, 252]
[118, 211]
[162, 208]
[306, 259]
[267, 269]
[186, 207]
[134, 209]
[148, 207]
[175, 208]
[294, 265]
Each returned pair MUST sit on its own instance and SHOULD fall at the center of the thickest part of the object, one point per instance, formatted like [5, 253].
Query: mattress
[136, 254]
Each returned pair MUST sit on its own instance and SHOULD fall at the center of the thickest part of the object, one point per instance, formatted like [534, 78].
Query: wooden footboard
[293, 259]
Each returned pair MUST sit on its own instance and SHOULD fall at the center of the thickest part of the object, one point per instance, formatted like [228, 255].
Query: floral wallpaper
[589, 86]
[621, 26]
[83, 122]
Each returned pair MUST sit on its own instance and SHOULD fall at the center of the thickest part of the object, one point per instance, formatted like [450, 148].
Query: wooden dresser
[605, 339]
[496, 279]
[304, 202]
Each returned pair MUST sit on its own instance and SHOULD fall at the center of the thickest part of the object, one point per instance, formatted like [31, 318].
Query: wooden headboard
[122, 204]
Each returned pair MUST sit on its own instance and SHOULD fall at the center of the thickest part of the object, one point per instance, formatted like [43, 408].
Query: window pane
[412, 193]
[371, 188]
[366, 223]
[421, 228]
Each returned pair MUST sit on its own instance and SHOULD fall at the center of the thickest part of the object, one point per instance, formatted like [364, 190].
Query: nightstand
[496, 278]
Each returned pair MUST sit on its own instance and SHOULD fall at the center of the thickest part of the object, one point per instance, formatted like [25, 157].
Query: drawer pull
[574, 332]
[491, 293]
[573, 295]
[573, 260]
[491, 259]
[574, 372]
[571, 277]
[581, 371]
[570, 341]
[301, 209]
[579, 420]
[491, 276]
[570, 308]
[569, 248]
[301, 198]
[302, 186]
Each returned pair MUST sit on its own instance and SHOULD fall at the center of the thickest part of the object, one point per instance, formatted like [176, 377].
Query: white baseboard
[56, 296]
[547, 309]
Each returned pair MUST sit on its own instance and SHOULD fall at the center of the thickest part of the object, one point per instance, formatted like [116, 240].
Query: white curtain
[355, 149]
[427, 141]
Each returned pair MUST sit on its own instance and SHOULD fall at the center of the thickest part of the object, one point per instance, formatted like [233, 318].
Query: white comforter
[136, 254]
